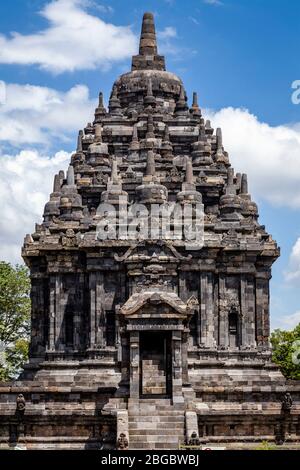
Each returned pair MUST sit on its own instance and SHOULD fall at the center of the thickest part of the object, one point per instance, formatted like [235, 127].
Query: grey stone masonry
[149, 341]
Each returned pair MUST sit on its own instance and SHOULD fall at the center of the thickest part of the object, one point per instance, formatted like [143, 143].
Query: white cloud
[292, 275]
[194, 20]
[34, 114]
[102, 8]
[288, 321]
[74, 40]
[167, 33]
[26, 181]
[167, 46]
[270, 155]
[213, 2]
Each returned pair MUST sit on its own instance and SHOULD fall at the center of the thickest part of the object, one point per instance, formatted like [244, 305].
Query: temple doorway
[155, 364]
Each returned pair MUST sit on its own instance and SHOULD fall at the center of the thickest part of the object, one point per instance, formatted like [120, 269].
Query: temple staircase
[155, 423]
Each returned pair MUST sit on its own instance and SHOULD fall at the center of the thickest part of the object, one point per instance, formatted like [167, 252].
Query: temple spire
[148, 57]
[148, 44]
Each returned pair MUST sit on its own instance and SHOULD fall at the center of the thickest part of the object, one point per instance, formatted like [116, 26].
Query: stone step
[155, 371]
[155, 438]
[162, 424]
[154, 374]
[154, 362]
[150, 401]
[155, 447]
[154, 432]
[146, 412]
[158, 405]
[149, 419]
[144, 417]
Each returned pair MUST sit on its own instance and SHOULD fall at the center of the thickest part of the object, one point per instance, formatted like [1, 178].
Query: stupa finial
[148, 43]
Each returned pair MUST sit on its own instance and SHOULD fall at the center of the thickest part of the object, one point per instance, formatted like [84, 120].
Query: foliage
[286, 351]
[14, 318]
[266, 445]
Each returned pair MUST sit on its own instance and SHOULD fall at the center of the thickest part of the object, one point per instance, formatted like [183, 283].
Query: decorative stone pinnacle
[98, 133]
[181, 105]
[79, 141]
[148, 43]
[100, 105]
[150, 127]
[195, 110]
[238, 180]
[100, 110]
[135, 139]
[166, 146]
[70, 176]
[61, 175]
[230, 190]
[150, 169]
[189, 178]
[114, 102]
[244, 184]
[182, 94]
[56, 184]
[148, 58]
[230, 175]
[114, 172]
[195, 100]
[219, 138]
[166, 134]
[150, 99]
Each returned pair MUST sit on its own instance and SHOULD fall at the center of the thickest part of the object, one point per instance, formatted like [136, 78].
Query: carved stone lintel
[229, 302]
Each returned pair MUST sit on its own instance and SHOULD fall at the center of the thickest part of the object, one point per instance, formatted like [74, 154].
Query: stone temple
[149, 342]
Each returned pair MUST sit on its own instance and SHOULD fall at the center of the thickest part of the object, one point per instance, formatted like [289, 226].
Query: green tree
[286, 351]
[14, 319]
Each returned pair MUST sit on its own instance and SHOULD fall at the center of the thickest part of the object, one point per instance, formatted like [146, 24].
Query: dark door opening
[156, 364]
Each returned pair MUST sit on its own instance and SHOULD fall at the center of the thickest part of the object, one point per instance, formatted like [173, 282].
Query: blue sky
[241, 56]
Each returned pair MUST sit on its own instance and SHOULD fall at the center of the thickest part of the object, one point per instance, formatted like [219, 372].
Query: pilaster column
[207, 310]
[262, 310]
[38, 316]
[96, 326]
[52, 310]
[248, 312]
[185, 375]
[78, 311]
[176, 366]
[223, 315]
[134, 364]
[56, 310]
[60, 305]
